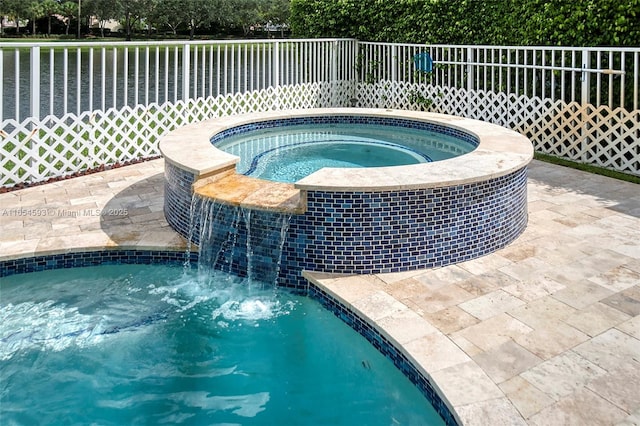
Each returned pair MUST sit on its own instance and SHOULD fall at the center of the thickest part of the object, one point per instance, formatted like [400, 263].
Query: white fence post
[334, 71]
[186, 71]
[275, 77]
[584, 105]
[34, 107]
[470, 80]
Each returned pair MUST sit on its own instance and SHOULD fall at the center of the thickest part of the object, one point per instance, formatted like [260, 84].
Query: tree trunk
[192, 30]
[128, 26]
[33, 27]
[49, 26]
[17, 25]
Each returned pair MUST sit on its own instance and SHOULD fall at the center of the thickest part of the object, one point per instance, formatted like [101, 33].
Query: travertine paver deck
[544, 332]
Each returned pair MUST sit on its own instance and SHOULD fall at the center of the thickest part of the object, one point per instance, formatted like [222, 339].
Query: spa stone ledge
[500, 151]
[247, 192]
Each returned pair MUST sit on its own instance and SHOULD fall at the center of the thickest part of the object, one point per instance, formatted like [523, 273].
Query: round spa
[401, 206]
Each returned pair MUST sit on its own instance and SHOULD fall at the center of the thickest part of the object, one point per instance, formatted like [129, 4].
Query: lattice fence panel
[34, 151]
[595, 135]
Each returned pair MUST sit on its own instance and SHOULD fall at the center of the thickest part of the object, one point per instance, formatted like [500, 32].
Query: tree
[276, 12]
[16, 9]
[201, 12]
[34, 11]
[134, 12]
[169, 13]
[4, 10]
[244, 14]
[103, 10]
[49, 9]
[69, 10]
[497, 22]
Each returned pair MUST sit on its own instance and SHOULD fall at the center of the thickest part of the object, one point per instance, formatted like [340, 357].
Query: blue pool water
[291, 152]
[133, 344]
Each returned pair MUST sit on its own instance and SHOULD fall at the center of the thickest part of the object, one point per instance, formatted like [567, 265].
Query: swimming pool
[131, 344]
[290, 152]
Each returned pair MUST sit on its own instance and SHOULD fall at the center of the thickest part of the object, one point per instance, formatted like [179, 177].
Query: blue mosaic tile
[92, 258]
[347, 119]
[369, 232]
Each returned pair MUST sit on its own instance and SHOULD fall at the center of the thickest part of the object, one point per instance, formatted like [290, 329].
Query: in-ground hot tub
[349, 220]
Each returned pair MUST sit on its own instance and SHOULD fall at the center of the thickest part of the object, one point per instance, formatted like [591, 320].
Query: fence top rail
[88, 44]
[534, 48]
[497, 47]
[91, 43]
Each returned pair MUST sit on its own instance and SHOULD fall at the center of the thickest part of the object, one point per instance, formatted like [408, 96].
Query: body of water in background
[156, 79]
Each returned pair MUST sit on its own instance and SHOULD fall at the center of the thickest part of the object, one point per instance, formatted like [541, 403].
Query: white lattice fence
[589, 134]
[34, 151]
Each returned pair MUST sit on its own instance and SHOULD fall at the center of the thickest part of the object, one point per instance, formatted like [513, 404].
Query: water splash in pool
[59, 317]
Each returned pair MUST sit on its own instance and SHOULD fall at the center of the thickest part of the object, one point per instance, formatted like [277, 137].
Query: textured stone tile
[627, 301]
[587, 231]
[394, 277]
[617, 279]
[631, 249]
[491, 304]
[632, 420]
[582, 294]
[534, 289]
[534, 206]
[579, 409]
[495, 279]
[59, 244]
[405, 326]
[451, 319]
[551, 339]
[443, 276]
[435, 352]
[596, 319]
[494, 331]
[631, 327]
[468, 347]
[485, 264]
[518, 252]
[161, 240]
[14, 249]
[466, 383]
[478, 286]
[620, 386]
[378, 305]
[406, 288]
[439, 299]
[493, 412]
[506, 361]
[527, 269]
[611, 350]
[527, 399]
[539, 312]
[563, 374]
[352, 288]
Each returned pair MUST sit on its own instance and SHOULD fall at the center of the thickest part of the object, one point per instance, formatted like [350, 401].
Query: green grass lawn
[588, 168]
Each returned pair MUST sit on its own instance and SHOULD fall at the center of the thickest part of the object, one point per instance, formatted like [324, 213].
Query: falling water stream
[237, 240]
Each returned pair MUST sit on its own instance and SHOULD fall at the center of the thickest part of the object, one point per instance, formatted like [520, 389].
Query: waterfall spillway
[236, 240]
